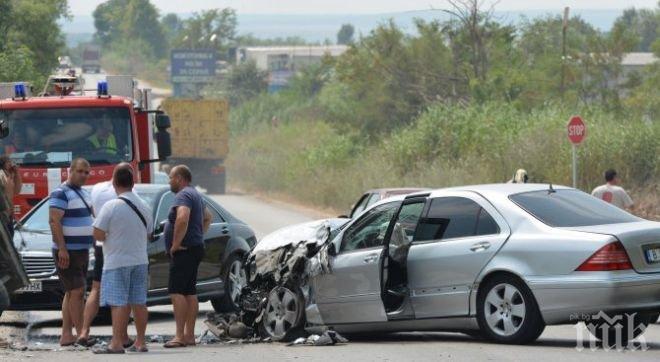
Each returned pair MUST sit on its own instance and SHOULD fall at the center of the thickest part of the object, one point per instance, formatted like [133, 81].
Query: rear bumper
[581, 295]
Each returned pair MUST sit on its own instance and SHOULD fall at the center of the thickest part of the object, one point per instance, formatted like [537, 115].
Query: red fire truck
[112, 125]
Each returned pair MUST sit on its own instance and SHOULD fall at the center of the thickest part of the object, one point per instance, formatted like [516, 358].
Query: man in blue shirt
[187, 222]
[71, 220]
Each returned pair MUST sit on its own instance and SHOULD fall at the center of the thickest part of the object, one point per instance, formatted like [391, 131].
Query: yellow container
[200, 128]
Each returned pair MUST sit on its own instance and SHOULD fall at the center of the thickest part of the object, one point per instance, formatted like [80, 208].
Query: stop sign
[576, 130]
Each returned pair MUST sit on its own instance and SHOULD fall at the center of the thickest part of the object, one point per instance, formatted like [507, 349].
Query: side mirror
[4, 129]
[164, 143]
[163, 121]
[160, 228]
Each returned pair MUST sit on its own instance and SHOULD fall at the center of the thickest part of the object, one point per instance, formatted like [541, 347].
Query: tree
[118, 21]
[244, 82]
[34, 24]
[172, 26]
[345, 34]
[643, 25]
[214, 28]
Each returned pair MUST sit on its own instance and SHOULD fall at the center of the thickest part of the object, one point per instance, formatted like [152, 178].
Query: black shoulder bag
[137, 211]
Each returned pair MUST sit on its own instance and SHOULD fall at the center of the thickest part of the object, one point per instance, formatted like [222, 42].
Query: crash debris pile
[287, 258]
[328, 338]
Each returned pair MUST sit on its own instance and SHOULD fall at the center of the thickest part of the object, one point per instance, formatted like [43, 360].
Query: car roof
[390, 190]
[486, 190]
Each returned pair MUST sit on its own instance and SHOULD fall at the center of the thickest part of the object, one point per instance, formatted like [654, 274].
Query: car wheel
[618, 335]
[507, 311]
[234, 278]
[283, 316]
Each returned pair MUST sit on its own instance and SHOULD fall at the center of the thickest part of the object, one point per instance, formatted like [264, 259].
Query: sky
[86, 7]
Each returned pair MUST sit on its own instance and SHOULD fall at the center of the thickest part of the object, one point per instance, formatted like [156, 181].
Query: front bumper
[581, 295]
[49, 298]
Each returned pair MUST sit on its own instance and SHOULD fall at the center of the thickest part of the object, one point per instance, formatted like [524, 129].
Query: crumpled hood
[287, 250]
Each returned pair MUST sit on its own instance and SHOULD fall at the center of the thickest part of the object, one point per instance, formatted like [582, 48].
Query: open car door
[351, 292]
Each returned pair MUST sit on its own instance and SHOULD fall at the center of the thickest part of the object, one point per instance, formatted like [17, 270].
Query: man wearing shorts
[187, 222]
[101, 193]
[123, 226]
[70, 218]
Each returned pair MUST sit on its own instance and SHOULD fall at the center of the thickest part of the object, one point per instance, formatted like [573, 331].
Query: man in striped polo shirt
[71, 220]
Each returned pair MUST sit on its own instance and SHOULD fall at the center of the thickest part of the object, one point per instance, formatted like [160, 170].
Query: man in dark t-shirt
[187, 222]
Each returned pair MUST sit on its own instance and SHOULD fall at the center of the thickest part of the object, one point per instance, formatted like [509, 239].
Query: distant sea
[319, 27]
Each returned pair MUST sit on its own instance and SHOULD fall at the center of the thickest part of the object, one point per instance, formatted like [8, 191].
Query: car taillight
[610, 257]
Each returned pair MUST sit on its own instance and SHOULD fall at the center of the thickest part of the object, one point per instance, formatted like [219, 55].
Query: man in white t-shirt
[123, 226]
[101, 193]
[613, 193]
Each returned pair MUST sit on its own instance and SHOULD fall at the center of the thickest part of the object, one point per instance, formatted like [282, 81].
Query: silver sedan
[500, 261]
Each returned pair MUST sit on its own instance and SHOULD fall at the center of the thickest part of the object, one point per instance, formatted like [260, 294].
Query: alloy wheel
[504, 309]
[282, 312]
[237, 280]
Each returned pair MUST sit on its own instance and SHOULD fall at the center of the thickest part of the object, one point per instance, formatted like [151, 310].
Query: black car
[221, 274]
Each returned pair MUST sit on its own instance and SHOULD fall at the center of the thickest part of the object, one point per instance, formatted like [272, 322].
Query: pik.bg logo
[619, 332]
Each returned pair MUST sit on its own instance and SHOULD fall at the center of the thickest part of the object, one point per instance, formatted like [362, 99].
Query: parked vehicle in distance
[500, 261]
[373, 196]
[91, 59]
[221, 274]
[64, 63]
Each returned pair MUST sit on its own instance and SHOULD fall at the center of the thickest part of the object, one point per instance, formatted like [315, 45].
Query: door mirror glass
[160, 228]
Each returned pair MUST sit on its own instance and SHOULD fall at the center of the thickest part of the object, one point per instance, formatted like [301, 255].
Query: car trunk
[637, 238]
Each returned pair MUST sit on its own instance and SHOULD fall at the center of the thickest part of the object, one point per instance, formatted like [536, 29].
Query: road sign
[193, 65]
[576, 130]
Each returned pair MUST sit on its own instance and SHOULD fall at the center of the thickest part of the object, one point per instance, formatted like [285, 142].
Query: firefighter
[103, 140]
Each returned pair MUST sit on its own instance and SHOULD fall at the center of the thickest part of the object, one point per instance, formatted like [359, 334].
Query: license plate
[653, 255]
[34, 287]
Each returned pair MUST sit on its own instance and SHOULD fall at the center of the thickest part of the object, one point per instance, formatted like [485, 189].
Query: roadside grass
[319, 164]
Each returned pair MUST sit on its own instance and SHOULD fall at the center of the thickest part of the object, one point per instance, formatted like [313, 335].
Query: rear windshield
[567, 208]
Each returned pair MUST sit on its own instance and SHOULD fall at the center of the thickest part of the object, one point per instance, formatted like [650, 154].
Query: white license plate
[34, 287]
[653, 255]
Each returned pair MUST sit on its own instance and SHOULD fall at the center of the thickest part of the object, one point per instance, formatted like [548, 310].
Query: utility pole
[563, 52]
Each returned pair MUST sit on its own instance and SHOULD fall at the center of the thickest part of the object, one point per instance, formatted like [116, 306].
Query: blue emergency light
[102, 88]
[19, 91]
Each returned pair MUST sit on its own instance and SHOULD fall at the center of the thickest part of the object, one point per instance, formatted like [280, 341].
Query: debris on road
[329, 338]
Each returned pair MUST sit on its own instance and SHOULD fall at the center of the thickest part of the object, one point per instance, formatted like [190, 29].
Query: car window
[361, 205]
[165, 204]
[406, 223]
[216, 217]
[374, 198]
[369, 231]
[567, 208]
[455, 217]
[38, 220]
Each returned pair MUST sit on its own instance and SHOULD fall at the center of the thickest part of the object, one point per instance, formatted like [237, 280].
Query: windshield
[54, 137]
[570, 208]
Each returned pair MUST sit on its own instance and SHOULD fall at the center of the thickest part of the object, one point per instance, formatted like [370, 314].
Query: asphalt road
[556, 343]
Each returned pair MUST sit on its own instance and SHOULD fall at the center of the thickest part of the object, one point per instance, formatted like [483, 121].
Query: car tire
[507, 311]
[234, 278]
[4, 298]
[283, 317]
[608, 336]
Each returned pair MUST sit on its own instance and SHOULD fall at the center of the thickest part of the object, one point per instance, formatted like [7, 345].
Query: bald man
[187, 222]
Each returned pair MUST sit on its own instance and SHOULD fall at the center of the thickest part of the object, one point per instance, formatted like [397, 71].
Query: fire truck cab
[112, 125]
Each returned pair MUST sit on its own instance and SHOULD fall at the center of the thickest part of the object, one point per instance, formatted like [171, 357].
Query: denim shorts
[124, 286]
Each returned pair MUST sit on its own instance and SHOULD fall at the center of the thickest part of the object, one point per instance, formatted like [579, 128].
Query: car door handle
[370, 258]
[480, 246]
[225, 230]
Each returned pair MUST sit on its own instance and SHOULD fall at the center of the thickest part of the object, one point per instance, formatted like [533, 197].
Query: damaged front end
[278, 302]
